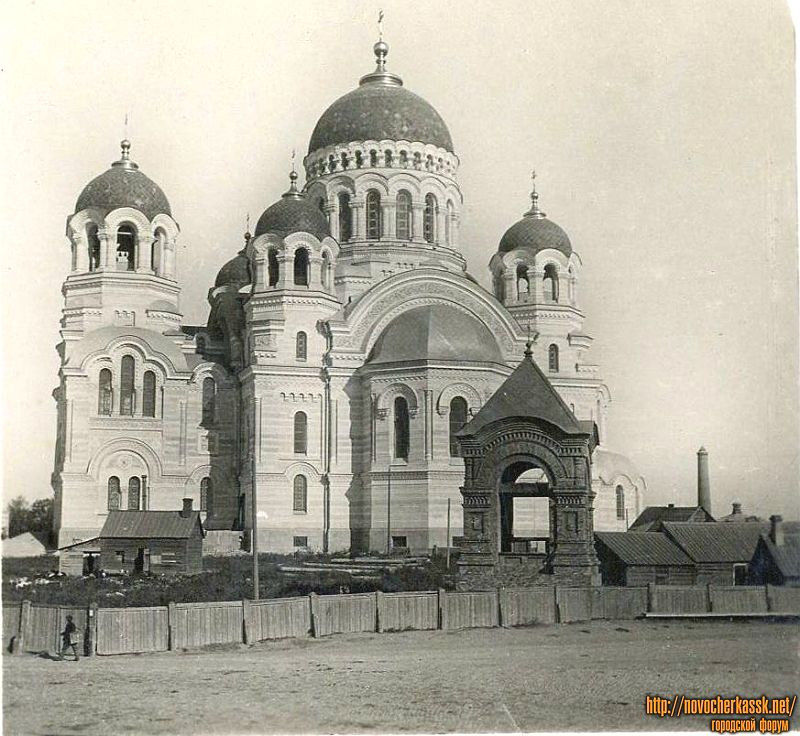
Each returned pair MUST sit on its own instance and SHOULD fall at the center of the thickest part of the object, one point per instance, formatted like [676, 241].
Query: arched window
[429, 219]
[126, 248]
[301, 267]
[205, 494]
[273, 268]
[93, 244]
[149, 394]
[373, 159]
[403, 159]
[620, 502]
[114, 495]
[401, 428]
[300, 500]
[458, 418]
[550, 283]
[403, 226]
[387, 157]
[345, 218]
[325, 270]
[344, 160]
[209, 401]
[127, 391]
[373, 215]
[301, 346]
[448, 223]
[552, 358]
[523, 285]
[105, 399]
[300, 433]
[134, 493]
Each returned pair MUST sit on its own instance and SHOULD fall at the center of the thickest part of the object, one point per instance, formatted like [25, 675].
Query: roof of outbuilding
[644, 549]
[653, 517]
[787, 556]
[715, 542]
[150, 524]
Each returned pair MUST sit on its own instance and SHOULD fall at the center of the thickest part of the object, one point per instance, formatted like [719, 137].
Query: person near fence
[69, 638]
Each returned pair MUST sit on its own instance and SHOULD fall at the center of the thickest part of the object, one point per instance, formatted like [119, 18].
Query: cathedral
[345, 349]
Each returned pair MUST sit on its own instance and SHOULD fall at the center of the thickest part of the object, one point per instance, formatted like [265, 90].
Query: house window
[301, 267]
[429, 219]
[662, 576]
[300, 433]
[620, 502]
[550, 283]
[149, 394]
[205, 493]
[300, 494]
[126, 248]
[740, 574]
[168, 558]
[345, 218]
[209, 401]
[273, 269]
[301, 346]
[134, 493]
[403, 226]
[373, 215]
[458, 418]
[105, 397]
[119, 555]
[300, 541]
[127, 389]
[401, 428]
[114, 495]
[552, 358]
[400, 542]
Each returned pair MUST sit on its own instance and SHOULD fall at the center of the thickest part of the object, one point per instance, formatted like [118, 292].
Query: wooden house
[777, 557]
[152, 541]
[628, 558]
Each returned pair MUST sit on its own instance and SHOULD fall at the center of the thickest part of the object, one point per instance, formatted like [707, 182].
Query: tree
[36, 518]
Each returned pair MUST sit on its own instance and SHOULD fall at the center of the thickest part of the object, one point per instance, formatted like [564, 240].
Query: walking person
[69, 638]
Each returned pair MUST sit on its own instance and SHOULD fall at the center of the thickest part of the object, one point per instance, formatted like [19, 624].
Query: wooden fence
[107, 631]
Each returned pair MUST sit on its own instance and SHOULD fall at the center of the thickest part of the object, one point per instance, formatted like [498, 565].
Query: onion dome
[236, 272]
[435, 333]
[123, 185]
[380, 109]
[293, 213]
[534, 232]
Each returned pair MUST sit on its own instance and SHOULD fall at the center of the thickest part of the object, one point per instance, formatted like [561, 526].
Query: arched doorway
[526, 505]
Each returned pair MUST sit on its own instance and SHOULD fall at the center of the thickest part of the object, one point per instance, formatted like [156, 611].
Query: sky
[662, 134]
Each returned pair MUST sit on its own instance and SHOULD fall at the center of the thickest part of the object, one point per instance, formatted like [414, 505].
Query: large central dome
[380, 109]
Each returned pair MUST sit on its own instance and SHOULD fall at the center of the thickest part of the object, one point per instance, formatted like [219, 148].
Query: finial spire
[534, 211]
[380, 25]
[381, 49]
[247, 234]
[293, 192]
[528, 351]
[125, 156]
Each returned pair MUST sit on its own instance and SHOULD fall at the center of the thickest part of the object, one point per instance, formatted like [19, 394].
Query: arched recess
[386, 399]
[474, 401]
[126, 445]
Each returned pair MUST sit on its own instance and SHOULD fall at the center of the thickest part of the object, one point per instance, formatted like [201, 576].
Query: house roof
[150, 524]
[715, 542]
[653, 517]
[787, 556]
[527, 394]
[644, 549]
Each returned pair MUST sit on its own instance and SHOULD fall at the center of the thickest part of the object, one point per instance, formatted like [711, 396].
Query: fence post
[172, 619]
[378, 612]
[709, 607]
[312, 599]
[90, 644]
[246, 621]
[441, 602]
[770, 599]
[558, 604]
[24, 618]
[501, 597]
[650, 597]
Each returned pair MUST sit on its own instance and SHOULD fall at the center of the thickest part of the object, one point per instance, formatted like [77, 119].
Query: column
[106, 249]
[285, 270]
[441, 227]
[315, 272]
[510, 279]
[144, 254]
[418, 209]
[359, 224]
[331, 210]
[388, 213]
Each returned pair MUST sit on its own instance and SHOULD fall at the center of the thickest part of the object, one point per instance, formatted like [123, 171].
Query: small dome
[380, 109]
[293, 213]
[435, 333]
[123, 185]
[535, 234]
[235, 272]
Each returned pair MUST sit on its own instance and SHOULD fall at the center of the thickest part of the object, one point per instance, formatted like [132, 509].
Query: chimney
[187, 507]
[737, 509]
[776, 530]
[703, 485]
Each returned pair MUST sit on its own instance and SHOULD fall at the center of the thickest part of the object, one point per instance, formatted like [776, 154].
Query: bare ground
[591, 676]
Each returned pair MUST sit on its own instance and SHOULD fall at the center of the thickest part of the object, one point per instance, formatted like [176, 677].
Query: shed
[777, 557]
[627, 558]
[152, 541]
[653, 517]
[82, 557]
[26, 544]
[721, 552]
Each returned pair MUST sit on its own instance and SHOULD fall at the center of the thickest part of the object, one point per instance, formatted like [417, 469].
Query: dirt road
[590, 676]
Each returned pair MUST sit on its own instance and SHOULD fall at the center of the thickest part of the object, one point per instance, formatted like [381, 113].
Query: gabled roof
[150, 524]
[653, 517]
[715, 542]
[787, 556]
[644, 549]
[527, 394]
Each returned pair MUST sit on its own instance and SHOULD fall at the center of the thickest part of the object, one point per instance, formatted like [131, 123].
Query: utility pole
[389, 511]
[254, 514]
[448, 535]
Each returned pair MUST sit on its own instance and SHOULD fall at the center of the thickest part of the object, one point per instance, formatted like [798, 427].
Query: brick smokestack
[703, 484]
[187, 507]
[776, 530]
